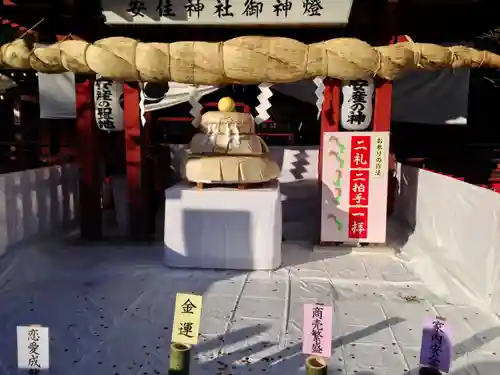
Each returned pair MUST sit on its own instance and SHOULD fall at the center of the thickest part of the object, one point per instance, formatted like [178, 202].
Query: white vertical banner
[108, 111]
[264, 103]
[356, 111]
[57, 96]
[33, 347]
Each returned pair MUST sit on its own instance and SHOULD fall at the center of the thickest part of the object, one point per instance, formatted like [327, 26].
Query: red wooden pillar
[88, 156]
[330, 115]
[138, 174]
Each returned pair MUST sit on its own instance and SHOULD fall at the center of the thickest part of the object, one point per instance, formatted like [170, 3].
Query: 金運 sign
[108, 110]
[233, 12]
[354, 187]
[187, 318]
[356, 111]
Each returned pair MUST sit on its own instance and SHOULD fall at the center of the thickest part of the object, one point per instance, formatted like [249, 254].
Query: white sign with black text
[229, 12]
[108, 109]
[33, 347]
[356, 111]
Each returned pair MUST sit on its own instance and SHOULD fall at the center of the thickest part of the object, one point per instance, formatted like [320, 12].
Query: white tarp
[453, 237]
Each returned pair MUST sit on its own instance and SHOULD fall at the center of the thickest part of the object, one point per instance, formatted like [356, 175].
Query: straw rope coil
[248, 59]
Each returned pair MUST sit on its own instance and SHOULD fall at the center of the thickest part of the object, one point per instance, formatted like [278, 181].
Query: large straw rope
[248, 59]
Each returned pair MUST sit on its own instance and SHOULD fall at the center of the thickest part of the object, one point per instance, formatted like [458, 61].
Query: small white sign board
[33, 347]
[227, 12]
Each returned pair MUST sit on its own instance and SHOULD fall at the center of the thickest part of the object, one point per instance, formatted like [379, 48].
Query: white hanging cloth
[196, 107]
[264, 103]
[320, 90]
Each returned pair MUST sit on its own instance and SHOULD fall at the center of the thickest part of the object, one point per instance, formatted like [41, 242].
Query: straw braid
[248, 59]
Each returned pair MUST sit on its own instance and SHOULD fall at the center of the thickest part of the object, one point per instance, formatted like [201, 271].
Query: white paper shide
[108, 112]
[33, 347]
[320, 93]
[356, 112]
[264, 103]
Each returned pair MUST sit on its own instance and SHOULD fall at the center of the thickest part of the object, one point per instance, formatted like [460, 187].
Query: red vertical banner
[359, 189]
[360, 152]
[358, 222]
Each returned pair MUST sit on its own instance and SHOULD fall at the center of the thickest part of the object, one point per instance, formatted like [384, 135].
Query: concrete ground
[110, 307]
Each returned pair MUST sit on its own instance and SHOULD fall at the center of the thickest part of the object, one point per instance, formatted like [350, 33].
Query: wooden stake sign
[187, 318]
[185, 331]
[436, 350]
[317, 334]
[33, 348]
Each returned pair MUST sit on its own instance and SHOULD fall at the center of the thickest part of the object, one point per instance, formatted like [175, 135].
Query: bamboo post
[316, 366]
[180, 358]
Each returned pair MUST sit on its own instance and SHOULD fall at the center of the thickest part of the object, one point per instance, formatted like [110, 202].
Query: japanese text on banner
[104, 104]
[229, 8]
[436, 350]
[358, 222]
[360, 183]
[317, 330]
[359, 187]
[187, 317]
[33, 347]
[360, 152]
[378, 170]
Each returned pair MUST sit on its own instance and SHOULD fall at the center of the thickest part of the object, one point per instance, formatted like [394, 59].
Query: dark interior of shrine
[470, 152]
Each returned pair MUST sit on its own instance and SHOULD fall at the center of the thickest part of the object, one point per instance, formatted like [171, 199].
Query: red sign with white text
[360, 152]
[360, 183]
[358, 222]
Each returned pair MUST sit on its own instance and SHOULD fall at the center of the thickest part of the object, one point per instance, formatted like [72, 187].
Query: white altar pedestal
[223, 228]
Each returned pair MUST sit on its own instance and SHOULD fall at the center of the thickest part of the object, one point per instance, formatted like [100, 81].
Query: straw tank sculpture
[227, 150]
[247, 59]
